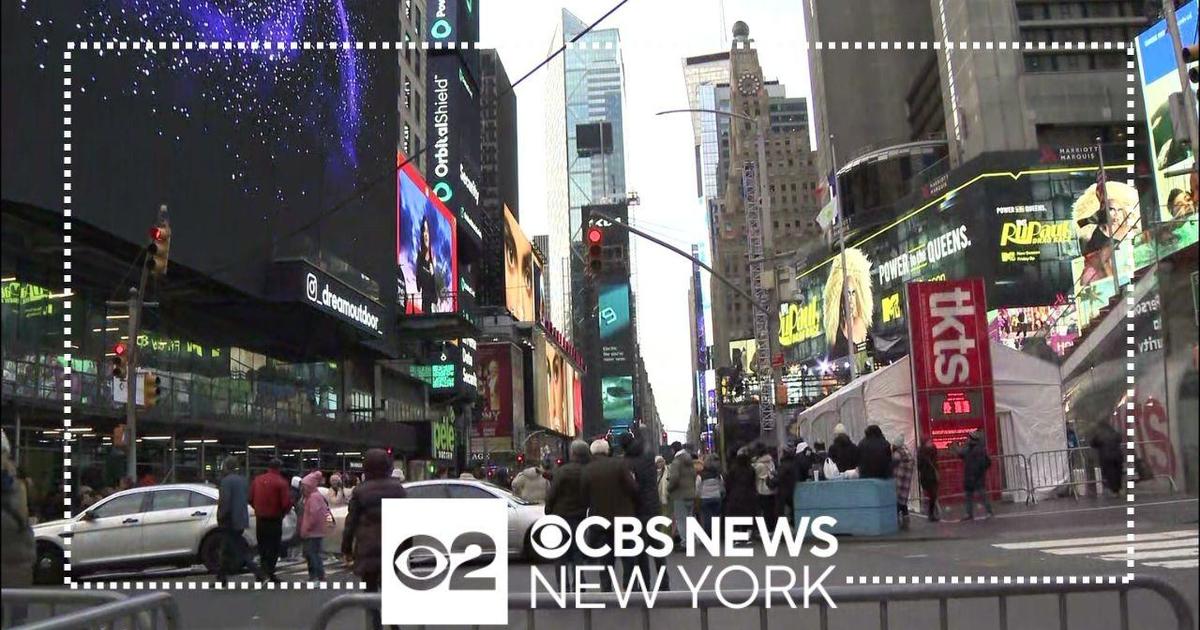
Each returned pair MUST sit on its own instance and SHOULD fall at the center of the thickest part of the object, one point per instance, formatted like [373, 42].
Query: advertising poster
[497, 404]
[453, 136]
[554, 387]
[614, 320]
[577, 402]
[539, 308]
[426, 247]
[1159, 76]
[616, 395]
[741, 354]
[1016, 327]
[520, 279]
[951, 361]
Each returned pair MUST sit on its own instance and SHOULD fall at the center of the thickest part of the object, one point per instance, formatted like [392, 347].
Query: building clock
[749, 84]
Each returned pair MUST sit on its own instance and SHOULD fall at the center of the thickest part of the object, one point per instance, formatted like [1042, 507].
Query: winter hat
[839, 429]
[296, 483]
[898, 441]
[398, 472]
[599, 447]
[801, 447]
[377, 464]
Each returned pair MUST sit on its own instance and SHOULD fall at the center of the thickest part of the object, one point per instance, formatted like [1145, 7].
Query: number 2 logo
[453, 564]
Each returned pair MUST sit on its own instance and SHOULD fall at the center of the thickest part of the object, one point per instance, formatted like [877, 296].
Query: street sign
[121, 392]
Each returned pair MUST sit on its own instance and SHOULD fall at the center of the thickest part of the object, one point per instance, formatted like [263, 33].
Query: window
[201, 500]
[120, 506]
[431, 491]
[463, 491]
[170, 500]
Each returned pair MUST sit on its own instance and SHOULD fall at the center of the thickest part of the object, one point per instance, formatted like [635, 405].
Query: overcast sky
[659, 150]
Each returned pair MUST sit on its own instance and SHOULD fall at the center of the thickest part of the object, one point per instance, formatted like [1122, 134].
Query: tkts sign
[951, 361]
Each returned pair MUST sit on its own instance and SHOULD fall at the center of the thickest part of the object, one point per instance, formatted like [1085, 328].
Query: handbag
[830, 470]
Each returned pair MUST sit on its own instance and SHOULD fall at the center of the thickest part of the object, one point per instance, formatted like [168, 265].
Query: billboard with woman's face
[520, 277]
[426, 247]
[554, 388]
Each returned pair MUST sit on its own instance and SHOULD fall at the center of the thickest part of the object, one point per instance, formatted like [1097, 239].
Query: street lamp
[756, 260]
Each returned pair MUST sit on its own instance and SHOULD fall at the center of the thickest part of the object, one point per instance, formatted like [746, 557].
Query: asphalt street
[1057, 538]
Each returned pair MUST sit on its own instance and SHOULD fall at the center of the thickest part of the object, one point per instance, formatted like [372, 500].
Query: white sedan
[166, 525]
[521, 513]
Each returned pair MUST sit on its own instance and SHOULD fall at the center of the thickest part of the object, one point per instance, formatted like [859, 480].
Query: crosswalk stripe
[1075, 542]
[1183, 552]
[1175, 564]
[1138, 546]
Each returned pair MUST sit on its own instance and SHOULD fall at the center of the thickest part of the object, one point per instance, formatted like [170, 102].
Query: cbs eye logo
[456, 563]
[550, 537]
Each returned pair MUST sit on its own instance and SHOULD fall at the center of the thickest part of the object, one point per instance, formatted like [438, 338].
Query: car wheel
[48, 565]
[210, 553]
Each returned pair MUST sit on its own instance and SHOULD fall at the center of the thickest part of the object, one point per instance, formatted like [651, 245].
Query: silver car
[166, 525]
[521, 513]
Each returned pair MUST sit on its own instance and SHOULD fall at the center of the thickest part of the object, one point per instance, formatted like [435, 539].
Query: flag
[832, 181]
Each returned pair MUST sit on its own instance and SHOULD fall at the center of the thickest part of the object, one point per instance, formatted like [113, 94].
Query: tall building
[498, 188]
[585, 88]
[789, 210]
[411, 104]
[998, 100]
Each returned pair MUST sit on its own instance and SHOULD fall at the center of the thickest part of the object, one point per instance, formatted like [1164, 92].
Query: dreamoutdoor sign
[301, 281]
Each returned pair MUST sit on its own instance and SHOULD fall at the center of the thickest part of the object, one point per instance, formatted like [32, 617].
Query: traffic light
[120, 352]
[159, 248]
[520, 460]
[558, 462]
[595, 243]
[153, 382]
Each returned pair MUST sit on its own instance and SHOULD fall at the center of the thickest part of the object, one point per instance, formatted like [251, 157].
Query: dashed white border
[68, 381]
[1131, 344]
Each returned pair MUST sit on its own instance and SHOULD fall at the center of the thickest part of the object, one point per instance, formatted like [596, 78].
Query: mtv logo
[1008, 256]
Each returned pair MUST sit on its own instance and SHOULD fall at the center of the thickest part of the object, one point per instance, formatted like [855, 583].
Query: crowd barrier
[881, 596]
[1009, 473]
[1071, 469]
[89, 610]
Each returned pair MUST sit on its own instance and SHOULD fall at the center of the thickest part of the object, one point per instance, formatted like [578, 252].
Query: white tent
[1028, 405]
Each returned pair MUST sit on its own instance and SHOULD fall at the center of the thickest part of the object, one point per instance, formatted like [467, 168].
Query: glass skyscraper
[585, 85]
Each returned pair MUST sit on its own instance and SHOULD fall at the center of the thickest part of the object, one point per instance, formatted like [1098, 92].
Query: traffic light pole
[131, 374]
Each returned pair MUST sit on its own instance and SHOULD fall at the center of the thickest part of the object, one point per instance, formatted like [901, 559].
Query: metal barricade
[91, 609]
[1008, 472]
[881, 596]
[1064, 468]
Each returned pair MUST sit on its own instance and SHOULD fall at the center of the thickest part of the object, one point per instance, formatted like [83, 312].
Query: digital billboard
[1023, 230]
[249, 149]
[501, 391]
[520, 277]
[453, 139]
[613, 313]
[1016, 327]
[1172, 161]
[554, 387]
[616, 397]
[426, 247]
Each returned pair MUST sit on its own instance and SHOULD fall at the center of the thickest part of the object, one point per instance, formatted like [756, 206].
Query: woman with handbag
[316, 522]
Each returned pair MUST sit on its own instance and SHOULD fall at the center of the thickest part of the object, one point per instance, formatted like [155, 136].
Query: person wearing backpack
[710, 488]
[316, 523]
[976, 462]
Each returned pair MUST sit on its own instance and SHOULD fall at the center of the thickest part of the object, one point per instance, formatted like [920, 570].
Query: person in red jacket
[271, 498]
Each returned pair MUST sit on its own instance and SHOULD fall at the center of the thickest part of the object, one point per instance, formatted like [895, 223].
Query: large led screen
[616, 397]
[554, 387]
[254, 151]
[520, 276]
[426, 247]
[613, 313]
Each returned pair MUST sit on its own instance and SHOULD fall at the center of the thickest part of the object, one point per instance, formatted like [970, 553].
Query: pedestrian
[874, 455]
[902, 470]
[741, 498]
[316, 522]
[1107, 443]
[805, 461]
[640, 462]
[927, 475]
[362, 537]
[530, 485]
[819, 457]
[17, 550]
[843, 451]
[660, 465]
[565, 499]
[233, 517]
[975, 466]
[339, 495]
[681, 490]
[785, 490]
[710, 488]
[271, 499]
[611, 491]
[502, 477]
[765, 482]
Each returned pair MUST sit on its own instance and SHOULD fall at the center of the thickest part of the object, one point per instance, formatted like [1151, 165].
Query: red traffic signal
[120, 349]
[594, 235]
[520, 459]
[595, 250]
[118, 360]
